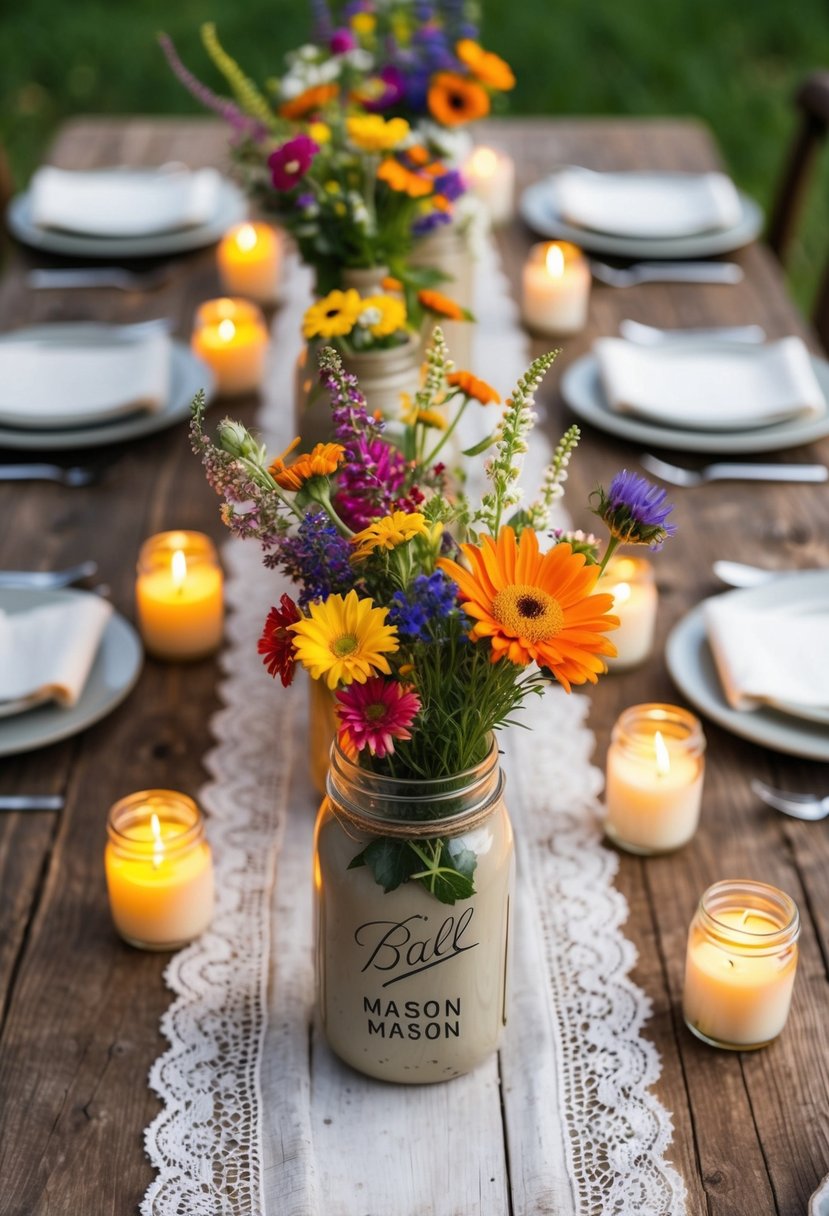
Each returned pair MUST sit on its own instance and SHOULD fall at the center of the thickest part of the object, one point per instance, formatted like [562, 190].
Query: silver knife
[31, 802]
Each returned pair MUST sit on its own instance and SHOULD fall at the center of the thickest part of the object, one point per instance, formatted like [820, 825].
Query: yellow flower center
[344, 645]
[528, 612]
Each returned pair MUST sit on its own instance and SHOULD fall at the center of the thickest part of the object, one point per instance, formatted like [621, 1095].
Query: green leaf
[482, 446]
[390, 861]
[519, 521]
[463, 859]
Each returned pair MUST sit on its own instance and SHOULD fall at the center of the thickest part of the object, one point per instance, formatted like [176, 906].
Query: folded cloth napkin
[710, 386]
[46, 653]
[774, 656]
[123, 202]
[69, 380]
[648, 206]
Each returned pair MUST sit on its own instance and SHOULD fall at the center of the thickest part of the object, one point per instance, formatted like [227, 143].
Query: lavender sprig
[243, 124]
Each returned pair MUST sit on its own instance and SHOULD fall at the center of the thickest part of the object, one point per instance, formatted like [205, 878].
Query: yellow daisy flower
[372, 133]
[344, 640]
[320, 132]
[389, 532]
[363, 23]
[382, 315]
[333, 316]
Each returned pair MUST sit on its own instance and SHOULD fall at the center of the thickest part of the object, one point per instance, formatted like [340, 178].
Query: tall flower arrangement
[431, 618]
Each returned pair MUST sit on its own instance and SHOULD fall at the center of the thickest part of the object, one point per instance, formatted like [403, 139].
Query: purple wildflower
[634, 510]
[342, 41]
[291, 161]
[451, 185]
[393, 89]
[321, 21]
[431, 597]
[429, 222]
[367, 487]
[305, 201]
[317, 558]
[242, 124]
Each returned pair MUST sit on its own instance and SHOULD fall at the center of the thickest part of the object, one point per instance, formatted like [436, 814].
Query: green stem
[430, 459]
[612, 544]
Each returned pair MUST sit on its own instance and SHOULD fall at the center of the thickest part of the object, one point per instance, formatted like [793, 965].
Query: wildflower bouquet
[346, 146]
[429, 617]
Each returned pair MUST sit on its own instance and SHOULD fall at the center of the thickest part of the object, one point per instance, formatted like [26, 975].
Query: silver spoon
[666, 272]
[44, 580]
[73, 477]
[799, 806]
[677, 476]
[31, 802]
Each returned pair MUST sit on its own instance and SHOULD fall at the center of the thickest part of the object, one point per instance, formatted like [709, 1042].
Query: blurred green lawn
[734, 64]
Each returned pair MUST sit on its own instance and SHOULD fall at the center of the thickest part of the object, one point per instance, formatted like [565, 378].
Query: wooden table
[80, 1011]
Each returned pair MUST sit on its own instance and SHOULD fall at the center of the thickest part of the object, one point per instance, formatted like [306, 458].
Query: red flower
[376, 713]
[276, 644]
[290, 162]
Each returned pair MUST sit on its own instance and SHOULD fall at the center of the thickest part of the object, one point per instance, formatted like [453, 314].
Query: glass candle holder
[159, 870]
[556, 288]
[491, 175]
[655, 770]
[740, 964]
[231, 336]
[631, 582]
[178, 594]
[249, 258]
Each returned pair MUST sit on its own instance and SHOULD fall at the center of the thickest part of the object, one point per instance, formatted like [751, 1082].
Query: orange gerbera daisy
[437, 302]
[473, 387]
[454, 100]
[321, 461]
[490, 69]
[309, 101]
[535, 606]
[403, 180]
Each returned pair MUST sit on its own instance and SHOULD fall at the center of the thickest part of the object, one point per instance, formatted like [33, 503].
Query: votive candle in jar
[655, 772]
[249, 258]
[231, 336]
[631, 583]
[491, 176]
[179, 596]
[159, 870]
[556, 288]
[740, 964]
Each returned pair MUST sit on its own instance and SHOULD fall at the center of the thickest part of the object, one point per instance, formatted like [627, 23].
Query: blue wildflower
[634, 510]
[431, 597]
[428, 223]
[317, 558]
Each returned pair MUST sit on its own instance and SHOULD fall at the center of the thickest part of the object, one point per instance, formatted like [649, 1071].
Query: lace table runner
[259, 1118]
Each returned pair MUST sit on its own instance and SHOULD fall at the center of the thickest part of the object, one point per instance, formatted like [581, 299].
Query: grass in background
[734, 65]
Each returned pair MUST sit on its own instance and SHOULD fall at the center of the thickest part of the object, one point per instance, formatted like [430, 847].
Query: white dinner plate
[231, 209]
[538, 210]
[114, 673]
[582, 390]
[692, 668]
[188, 374]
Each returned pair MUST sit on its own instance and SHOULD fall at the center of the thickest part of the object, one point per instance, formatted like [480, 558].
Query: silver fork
[58, 278]
[47, 580]
[667, 272]
[677, 476]
[74, 476]
[799, 806]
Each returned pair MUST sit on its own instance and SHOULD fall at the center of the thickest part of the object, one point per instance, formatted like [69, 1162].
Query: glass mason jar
[410, 989]
[179, 595]
[159, 870]
[655, 770]
[322, 730]
[631, 582]
[448, 250]
[740, 964]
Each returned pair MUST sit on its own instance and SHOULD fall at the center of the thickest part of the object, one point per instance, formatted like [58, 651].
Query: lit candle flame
[554, 262]
[178, 569]
[246, 238]
[158, 843]
[227, 330]
[663, 759]
[483, 162]
[621, 594]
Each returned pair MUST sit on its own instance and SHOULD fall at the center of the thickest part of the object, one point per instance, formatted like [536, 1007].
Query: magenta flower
[376, 713]
[290, 162]
[342, 41]
[391, 87]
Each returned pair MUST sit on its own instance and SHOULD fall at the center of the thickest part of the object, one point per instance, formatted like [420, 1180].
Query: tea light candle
[159, 870]
[249, 258]
[740, 964]
[654, 778]
[491, 176]
[556, 288]
[232, 338]
[179, 595]
[631, 583]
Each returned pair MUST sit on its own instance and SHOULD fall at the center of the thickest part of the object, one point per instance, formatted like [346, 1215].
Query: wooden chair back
[812, 100]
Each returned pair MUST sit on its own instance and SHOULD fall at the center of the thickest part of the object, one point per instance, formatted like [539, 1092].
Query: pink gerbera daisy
[376, 713]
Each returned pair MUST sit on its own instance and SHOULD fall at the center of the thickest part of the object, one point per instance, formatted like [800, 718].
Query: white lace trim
[206, 1143]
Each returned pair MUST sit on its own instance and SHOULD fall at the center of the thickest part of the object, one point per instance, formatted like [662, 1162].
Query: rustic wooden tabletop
[80, 1010]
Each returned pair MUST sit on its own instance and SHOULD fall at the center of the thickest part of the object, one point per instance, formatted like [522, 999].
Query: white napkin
[123, 202]
[67, 381]
[769, 656]
[47, 653]
[710, 386]
[648, 206]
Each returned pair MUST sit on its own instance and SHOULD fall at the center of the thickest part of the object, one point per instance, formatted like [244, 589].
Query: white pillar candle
[491, 176]
[556, 288]
[631, 583]
[249, 259]
[654, 778]
[740, 965]
[159, 870]
[178, 593]
[230, 335]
